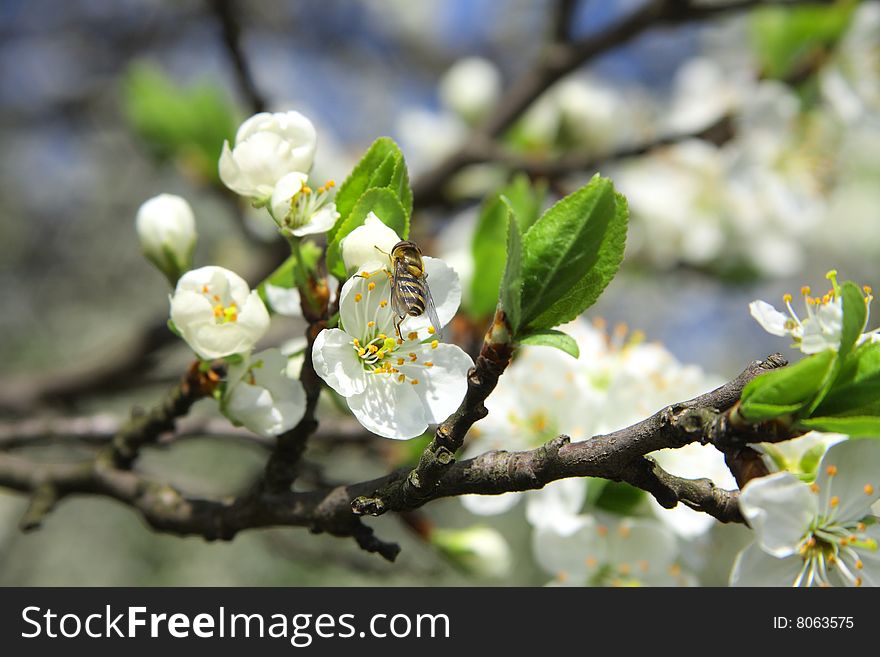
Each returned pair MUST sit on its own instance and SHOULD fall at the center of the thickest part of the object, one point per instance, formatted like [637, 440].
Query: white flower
[817, 534]
[167, 231]
[478, 550]
[692, 461]
[822, 326]
[262, 396]
[394, 387]
[267, 148]
[363, 244]
[800, 455]
[633, 552]
[471, 87]
[540, 396]
[299, 210]
[216, 313]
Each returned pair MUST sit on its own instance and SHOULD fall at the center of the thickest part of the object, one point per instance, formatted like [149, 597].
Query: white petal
[572, 557]
[320, 222]
[683, 520]
[441, 387]
[770, 319]
[363, 244]
[253, 318]
[445, 290]
[490, 505]
[645, 546]
[336, 361]
[557, 505]
[285, 189]
[754, 567]
[780, 508]
[389, 409]
[190, 308]
[856, 482]
[355, 314]
[284, 300]
[230, 172]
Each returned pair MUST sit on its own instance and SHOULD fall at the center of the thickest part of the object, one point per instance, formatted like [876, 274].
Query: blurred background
[745, 142]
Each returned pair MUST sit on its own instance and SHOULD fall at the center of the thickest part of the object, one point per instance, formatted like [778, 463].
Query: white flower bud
[363, 244]
[216, 313]
[267, 148]
[167, 231]
[262, 396]
[478, 550]
[471, 87]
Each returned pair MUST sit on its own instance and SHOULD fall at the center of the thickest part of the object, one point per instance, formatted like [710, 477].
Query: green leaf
[591, 230]
[788, 390]
[855, 315]
[525, 198]
[858, 384]
[858, 426]
[188, 124]
[512, 281]
[620, 498]
[386, 207]
[788, 40]
[382, 166]
[551, 338]
[489, 250]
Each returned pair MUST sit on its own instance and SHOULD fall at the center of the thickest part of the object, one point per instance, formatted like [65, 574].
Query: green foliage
[857, 426]
[857, 385]
[488, 247]
[382, 166]
[787, 40]
[386, 206]
[511, 280]
[185, 124]
[285, 275]
[619, 497]
[551, 338]
[788, 390]
[571, 254]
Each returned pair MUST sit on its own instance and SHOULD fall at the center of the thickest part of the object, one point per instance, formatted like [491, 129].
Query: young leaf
[526, 199]
[604, 250]
[362, 178]
[489, 250]
[399, 184]
[512, 281]
[386, 207]
[788, 390]
[551, 338]
[857, 426]
[857, 385]
[855, 314]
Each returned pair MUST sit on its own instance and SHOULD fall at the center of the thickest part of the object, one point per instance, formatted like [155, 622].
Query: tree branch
[227, 15]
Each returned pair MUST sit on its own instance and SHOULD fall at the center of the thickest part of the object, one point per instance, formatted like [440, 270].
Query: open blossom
[215, 311]
[263, 394]
[631, 552]
[167, 231]
[395, 387]
[818, 534]
[367, 242]
[299, 210]
[822, 325]
[267, 148]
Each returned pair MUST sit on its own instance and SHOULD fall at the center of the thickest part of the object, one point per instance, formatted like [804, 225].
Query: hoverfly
[410, 295]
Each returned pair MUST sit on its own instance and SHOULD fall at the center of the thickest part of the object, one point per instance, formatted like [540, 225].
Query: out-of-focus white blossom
[478, 550]
[471, 87]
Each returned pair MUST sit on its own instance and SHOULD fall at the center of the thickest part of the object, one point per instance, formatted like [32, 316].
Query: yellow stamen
[371, 286]
[786, 298]
[362, 352]
[401, 378]
[400, 361]
[383, 303]
[869, 489]
[859, 564]
[831, 470]
[413, 357]
[415, 382]
[358, 297]
[431, 330]
[814, 487]
[373, 348]
[434, 344]
[371, 324]
[834, 501]
[412, 335]
[429, 363]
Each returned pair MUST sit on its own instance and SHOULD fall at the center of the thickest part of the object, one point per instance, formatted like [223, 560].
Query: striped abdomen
[410, 290]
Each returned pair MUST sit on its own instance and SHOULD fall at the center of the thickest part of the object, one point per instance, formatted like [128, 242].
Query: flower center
[306, 203]
[830, 546]
[225, 309]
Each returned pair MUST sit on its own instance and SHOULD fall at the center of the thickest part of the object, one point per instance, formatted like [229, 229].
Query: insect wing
[431, 309]
[398, 302]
